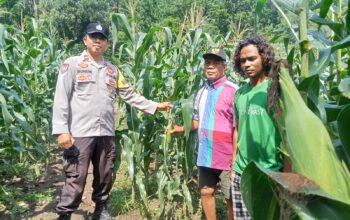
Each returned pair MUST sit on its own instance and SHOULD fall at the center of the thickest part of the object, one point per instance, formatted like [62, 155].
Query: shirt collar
[216, 84]
[86, 58]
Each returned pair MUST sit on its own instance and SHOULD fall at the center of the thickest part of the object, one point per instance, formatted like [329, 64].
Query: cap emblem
[215, 50]
[99, 27]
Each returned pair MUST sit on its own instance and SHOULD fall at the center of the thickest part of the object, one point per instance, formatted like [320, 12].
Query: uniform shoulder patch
[122, 84]
[110, 71]
[64, 68]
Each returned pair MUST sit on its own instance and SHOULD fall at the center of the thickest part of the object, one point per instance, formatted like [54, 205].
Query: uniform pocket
[71, 162]
[85, 83]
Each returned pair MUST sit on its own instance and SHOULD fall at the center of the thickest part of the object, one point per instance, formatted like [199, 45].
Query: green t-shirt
[258, 136]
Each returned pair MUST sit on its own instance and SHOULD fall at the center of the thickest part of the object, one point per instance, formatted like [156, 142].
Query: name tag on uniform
[85, 77]
[84, 71]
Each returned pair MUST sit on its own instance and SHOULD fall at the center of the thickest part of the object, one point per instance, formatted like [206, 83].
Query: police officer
[83, 120]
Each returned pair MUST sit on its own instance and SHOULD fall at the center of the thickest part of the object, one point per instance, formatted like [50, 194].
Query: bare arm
[234, 144]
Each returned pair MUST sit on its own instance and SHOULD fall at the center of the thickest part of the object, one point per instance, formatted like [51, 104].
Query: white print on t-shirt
[252, 110]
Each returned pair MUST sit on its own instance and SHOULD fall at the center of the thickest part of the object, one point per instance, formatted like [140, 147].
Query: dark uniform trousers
[101, 152]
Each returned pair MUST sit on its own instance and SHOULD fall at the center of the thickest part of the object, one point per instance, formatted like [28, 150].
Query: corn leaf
[325, 5]
[23, 122]
[347, 19]
[5, 112]
[29, 112]
[260, 4]
[143, 48]
[332, 111]
[259, 7]
[335, 26]
[136, 147]
[169, 35]
[128, 154]
[187, 108]
[344, 131]
[344, 43]
[273, 195]
[162, 180]
[142, 189]
[311, 86]
[259, 201]
[291, 5]
[309, 145]
[197, 39]
[210, 40]
[320, 65]
[187, 196]
[290, 56]
[2, 36]
[344, 87]
[34, 52]
[114, 32]
[121, 21]
[5, 60]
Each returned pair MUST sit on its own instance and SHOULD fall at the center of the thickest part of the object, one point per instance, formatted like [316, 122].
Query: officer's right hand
[164, 106]
[65, 141]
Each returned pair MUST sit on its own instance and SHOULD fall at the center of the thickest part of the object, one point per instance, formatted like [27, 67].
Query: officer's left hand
[164, 106]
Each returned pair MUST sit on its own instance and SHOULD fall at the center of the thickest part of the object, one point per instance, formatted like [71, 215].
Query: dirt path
[55, 180]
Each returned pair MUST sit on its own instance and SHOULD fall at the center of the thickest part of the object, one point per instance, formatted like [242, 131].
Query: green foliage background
[158, 46]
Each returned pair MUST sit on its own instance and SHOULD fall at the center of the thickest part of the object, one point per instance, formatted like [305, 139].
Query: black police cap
[96, 28]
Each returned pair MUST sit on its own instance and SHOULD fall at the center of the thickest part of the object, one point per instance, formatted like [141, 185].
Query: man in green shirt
[256, 134]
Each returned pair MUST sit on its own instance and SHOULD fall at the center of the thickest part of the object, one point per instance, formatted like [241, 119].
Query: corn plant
[162, 65]
[28, 66]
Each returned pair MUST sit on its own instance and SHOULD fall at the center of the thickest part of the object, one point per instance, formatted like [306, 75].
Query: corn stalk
[305, 45]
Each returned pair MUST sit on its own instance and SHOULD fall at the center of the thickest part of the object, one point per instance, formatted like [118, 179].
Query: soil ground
[120, 198]
[47, 211]
[54, 180]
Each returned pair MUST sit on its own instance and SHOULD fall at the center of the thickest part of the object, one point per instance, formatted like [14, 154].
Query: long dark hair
[270, 67]
[265, 50]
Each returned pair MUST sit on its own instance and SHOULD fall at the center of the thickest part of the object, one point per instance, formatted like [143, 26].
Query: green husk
[309, 146]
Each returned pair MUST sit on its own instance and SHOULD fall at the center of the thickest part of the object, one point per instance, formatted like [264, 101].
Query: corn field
[166, 65]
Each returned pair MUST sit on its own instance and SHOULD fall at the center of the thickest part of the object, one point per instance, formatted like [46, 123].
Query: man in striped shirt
[213, 117]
